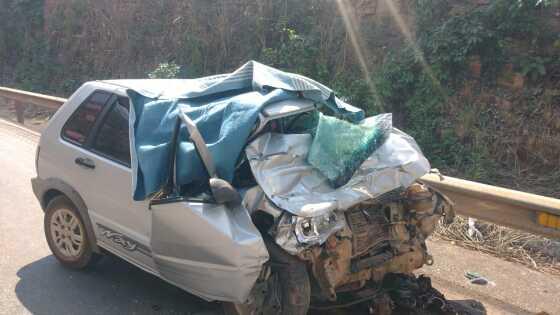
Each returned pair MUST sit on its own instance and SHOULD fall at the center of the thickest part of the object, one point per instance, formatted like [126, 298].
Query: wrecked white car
[257, 188]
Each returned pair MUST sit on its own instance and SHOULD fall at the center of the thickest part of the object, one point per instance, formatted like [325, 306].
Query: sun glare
[352, 30]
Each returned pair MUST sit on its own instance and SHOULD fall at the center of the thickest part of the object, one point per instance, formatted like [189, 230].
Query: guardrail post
[20, 109]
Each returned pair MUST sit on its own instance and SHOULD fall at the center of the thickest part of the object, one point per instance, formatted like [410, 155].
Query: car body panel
[207, 249]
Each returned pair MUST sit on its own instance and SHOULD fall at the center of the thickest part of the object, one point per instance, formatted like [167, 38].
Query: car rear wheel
[66, 234]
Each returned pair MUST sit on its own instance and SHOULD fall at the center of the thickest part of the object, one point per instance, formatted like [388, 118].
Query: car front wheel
[288, 287]
[66, 234]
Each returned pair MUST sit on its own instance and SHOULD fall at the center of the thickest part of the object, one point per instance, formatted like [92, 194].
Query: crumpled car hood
[278, 162]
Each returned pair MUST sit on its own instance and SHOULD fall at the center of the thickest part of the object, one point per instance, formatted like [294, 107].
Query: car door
[209, 249]
[59, 156]
[122, 225]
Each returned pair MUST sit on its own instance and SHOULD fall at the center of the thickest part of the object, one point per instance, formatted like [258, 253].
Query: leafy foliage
[418, 82]
[166, 70]
[533, 67]
[417, 77]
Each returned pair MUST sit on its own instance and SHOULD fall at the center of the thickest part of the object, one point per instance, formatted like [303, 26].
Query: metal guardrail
[519, 210]
[527, 212]
[20, 99]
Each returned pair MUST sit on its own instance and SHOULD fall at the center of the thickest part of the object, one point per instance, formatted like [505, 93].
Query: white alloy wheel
[67, 233]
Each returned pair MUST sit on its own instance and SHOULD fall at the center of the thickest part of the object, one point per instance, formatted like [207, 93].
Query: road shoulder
[515, 289]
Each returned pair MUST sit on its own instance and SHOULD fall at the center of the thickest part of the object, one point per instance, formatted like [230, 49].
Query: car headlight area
[294, 233]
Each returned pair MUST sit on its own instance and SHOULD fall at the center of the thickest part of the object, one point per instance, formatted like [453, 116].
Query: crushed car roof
[225, 109]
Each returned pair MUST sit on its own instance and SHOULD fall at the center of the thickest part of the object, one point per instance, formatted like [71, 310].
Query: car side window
[80, 124]
[112, 138]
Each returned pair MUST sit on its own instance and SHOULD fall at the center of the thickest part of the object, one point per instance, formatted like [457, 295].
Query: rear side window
[78, 127]
[112, 138]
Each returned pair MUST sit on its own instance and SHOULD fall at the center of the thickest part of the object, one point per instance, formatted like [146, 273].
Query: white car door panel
[207, 249]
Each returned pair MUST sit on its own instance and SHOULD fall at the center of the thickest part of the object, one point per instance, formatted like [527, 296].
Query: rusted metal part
[379, 239]
[331, 266]
[369, 228]
[361, 301]
[335, 275]
[498, 205]
[428, 206]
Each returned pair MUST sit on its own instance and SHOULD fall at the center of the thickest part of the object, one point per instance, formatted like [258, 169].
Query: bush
[165, 71]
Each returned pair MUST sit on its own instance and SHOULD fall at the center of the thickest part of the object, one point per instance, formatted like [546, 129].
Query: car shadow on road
[112, 286]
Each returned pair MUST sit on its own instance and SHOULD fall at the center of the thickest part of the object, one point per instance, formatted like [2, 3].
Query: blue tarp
[225, 109]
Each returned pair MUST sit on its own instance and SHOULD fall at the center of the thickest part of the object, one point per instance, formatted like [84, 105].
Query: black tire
[293, 283]
[85, 257]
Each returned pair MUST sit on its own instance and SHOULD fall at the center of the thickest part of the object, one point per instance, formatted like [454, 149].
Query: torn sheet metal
[279, 164]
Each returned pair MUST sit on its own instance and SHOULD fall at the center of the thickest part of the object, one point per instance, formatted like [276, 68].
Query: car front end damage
[355, 238]
[296, 240]
[270, 193]
[349, 255]
[376, 238]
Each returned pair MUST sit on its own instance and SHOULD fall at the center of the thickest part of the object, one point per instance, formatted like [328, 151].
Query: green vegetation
[444, 82]
[422, 81]
[165, 71]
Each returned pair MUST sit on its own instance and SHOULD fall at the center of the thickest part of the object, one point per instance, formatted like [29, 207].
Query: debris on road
[476, 278]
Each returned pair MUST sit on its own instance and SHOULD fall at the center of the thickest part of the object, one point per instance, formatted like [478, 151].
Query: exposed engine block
[370, 229]
[386, 235]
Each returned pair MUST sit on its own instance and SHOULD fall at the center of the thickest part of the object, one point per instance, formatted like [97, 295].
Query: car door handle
[85, 162]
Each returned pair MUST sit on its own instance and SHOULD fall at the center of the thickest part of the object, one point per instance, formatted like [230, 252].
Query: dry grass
[537, 252]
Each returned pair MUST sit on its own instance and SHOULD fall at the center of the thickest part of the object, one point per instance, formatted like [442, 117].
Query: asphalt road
[31, 281]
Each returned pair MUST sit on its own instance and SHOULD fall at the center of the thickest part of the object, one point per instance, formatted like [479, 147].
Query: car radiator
[370, 230]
